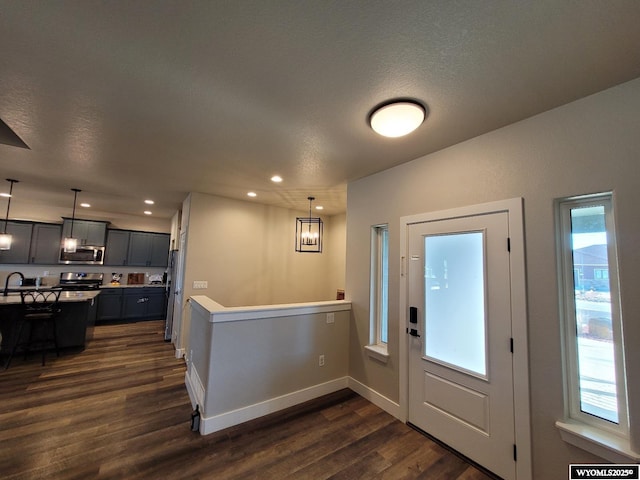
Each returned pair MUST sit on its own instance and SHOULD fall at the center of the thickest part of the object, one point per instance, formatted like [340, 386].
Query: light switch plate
[199, 284]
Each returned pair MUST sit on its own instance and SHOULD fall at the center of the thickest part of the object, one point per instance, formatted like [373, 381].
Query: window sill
[377, 352]
[594, 440]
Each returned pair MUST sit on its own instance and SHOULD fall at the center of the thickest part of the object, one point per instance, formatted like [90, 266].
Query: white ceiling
[134, 99]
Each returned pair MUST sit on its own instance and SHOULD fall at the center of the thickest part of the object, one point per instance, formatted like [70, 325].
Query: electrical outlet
[45, 273]
[331, 317]
[321, 361]
[199, 284]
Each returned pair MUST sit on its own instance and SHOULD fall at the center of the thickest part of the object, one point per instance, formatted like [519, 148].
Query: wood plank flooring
[120, 410]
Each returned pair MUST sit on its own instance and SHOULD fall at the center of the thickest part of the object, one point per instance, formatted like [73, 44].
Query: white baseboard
[190, 390]
[235, 417]
[389, 406]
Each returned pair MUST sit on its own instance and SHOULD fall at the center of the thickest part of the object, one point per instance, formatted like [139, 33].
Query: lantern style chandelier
[71, 244]
[309, 232]
[5, 238]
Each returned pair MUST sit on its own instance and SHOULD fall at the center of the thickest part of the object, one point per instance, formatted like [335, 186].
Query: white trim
[522, 409]
[196, 386]
[374, 397]
[218, 313]
[378, 352]
[179, 352]
[190, 390]
[228, 419]
[597, 441]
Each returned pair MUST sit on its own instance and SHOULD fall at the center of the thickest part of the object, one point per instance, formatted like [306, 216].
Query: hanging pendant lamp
[71, 244]
[309, 232]
[5, 238]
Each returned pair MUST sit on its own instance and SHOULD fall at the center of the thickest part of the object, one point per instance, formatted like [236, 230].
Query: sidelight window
[591, 313]
[379, 295]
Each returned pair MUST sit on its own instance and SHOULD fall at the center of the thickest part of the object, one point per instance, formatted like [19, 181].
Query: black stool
[40, 310]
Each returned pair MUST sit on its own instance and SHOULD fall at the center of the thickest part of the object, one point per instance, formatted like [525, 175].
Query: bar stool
[40, 311]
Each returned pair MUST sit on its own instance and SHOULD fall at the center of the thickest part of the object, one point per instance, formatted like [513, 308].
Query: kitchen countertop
[65, 296]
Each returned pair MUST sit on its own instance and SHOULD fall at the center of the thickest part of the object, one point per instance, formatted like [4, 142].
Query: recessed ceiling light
[276, 179]
[5, 194]
[149, 202]
[147, 212]
[85, 205]
[319, 207]
[252, 194]
[397, 118]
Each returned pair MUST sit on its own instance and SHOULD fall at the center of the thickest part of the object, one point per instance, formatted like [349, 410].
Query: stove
[80, 281]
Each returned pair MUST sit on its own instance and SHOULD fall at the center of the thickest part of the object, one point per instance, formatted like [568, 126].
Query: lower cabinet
[132, 304]
[110, 304]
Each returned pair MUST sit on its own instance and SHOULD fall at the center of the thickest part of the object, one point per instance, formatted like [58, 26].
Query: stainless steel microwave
[84, 255]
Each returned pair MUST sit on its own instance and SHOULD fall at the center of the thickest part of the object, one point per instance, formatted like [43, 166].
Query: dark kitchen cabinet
[117, 249]
[88, 232]
[132, 304]
[20, 243]
[110, 304]
[148, 249]
[146, 303]
[45, 243]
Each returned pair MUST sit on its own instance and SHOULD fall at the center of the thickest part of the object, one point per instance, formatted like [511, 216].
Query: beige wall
[245, 253]
[591, 145]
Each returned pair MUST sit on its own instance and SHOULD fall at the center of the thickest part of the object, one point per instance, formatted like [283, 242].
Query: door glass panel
[454, 308]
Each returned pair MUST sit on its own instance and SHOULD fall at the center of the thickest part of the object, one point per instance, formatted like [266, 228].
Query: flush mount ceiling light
[71, 244]
[397, 118]
[309, 232]
[276, 179]
[5, 238]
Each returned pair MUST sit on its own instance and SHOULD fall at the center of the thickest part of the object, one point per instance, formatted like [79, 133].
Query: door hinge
[508, 244]
[511, 344]
[515, 453]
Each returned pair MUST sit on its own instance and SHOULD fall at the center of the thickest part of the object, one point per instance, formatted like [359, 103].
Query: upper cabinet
[45, 243]
[117, 247]
[148, 249]
[20, 243]
[88, 232]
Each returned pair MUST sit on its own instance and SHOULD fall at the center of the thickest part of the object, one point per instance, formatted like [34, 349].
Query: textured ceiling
[134, 99]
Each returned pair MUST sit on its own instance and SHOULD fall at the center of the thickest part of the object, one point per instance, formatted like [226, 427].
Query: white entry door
[460, 360]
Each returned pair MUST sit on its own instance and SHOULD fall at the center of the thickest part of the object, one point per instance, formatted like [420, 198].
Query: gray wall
[591, 145]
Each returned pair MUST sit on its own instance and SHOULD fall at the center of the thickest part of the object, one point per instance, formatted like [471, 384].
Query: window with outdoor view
[591, 311]
[379, 284]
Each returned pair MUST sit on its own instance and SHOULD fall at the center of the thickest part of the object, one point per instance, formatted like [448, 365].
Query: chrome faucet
[6, 282]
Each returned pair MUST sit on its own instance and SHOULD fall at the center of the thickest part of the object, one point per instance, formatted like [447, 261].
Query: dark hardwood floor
[120, 410]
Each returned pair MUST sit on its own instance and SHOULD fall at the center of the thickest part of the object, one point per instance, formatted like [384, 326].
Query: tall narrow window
[592, 318]
[379, 284]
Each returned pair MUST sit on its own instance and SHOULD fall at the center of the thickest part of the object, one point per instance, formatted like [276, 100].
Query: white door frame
[514, 209]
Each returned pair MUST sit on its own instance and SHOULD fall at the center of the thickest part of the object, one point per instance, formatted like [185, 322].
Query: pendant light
[70, 243]
[5, 238]
[309, 232]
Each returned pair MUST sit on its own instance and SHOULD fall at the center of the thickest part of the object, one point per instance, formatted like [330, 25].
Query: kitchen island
[75, 323]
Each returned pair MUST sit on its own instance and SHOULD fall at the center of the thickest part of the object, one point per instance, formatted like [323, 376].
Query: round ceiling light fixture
[397, 118]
